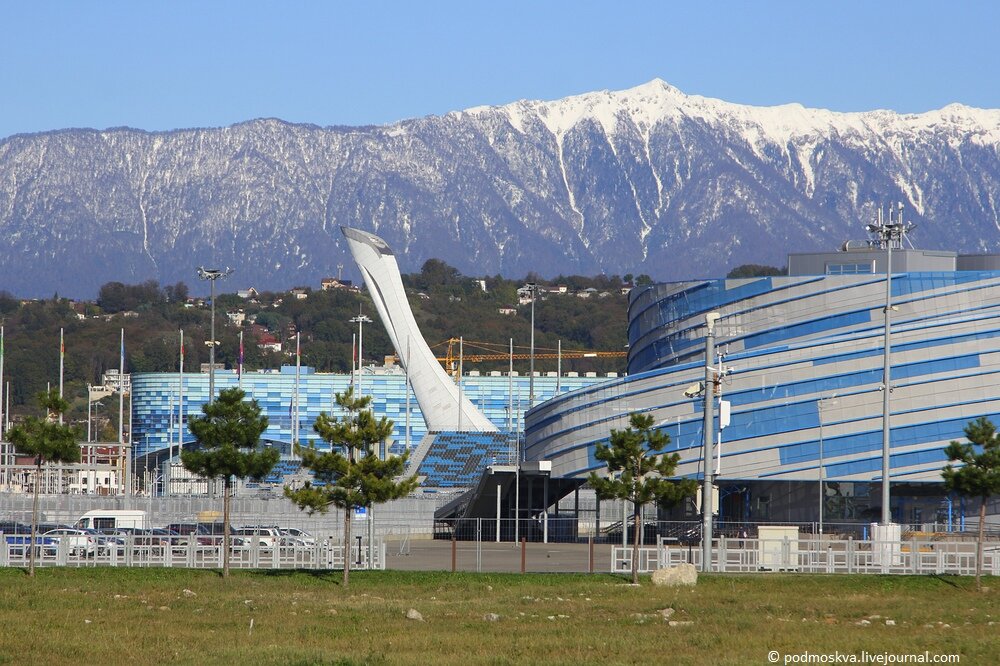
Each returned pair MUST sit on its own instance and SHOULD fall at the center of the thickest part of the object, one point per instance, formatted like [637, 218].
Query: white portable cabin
[113, 519]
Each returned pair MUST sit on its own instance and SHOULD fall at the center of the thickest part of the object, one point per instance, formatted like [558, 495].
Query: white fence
[811, 555]
[188, 552]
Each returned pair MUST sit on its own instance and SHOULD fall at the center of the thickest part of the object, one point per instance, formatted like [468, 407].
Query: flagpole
[3, 449]
[180, 400]
[239, 366]
[62, 356]
[121, 413]
[2, 413]
[298, 365]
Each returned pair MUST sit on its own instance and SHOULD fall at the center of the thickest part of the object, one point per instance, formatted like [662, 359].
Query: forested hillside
[445, 303]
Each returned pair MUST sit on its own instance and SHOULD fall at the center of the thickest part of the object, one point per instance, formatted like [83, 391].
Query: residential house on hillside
[326, 284]
[300, 293]
[510, 312]
[247, 293]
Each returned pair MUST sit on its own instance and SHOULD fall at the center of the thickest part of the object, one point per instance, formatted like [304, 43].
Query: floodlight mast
[889, 234]
[212, 274]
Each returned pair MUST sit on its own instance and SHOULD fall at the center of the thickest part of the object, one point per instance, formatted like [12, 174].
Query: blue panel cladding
[911, 283]
[795, 331]
[155, 400]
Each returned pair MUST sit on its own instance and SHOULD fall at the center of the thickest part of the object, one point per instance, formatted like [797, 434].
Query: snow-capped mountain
[647, 180]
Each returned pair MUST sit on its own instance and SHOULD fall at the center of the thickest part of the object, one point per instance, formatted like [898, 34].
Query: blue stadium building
[803, 375]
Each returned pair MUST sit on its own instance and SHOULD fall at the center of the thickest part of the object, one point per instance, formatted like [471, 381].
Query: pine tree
[350, 474]
[639, 473]
[47, 440]
[978, 475]
[228, 438]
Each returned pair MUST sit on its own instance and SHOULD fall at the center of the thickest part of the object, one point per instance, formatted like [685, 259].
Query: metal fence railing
[814, 555]
[188, 552]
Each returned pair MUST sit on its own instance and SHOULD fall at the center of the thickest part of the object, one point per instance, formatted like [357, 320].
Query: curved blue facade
[806, 353]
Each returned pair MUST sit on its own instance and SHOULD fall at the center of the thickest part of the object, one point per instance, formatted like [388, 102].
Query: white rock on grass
[680, 575]
[414, 614]
[491, 617]
[666, 613]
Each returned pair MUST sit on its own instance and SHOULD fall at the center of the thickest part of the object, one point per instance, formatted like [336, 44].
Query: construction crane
[451, 358]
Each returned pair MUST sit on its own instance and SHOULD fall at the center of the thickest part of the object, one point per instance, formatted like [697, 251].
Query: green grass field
[135, 616]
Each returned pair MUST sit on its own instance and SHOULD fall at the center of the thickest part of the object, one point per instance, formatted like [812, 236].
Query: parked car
[210, 534]
[155, 540]
[183, 528]
[17, 537]
[260, 536]
[293, 536]
[82, 543]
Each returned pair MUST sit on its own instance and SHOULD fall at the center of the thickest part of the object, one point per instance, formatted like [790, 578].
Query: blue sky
[166, 65]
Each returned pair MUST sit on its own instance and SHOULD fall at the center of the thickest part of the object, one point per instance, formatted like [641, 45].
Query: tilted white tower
[443, 406]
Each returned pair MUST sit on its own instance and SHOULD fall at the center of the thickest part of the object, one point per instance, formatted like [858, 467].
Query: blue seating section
[283, 468]
[456, 459]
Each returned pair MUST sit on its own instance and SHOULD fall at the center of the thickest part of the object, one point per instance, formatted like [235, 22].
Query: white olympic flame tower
[441, 402]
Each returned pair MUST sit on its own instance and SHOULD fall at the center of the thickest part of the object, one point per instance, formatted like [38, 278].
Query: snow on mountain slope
[645, 180]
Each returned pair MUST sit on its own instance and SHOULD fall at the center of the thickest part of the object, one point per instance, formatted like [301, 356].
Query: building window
[850, 269]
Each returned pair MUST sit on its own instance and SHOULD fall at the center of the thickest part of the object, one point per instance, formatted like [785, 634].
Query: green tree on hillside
[978, 473]
[351, 473]
[638, 472]
[48, 441]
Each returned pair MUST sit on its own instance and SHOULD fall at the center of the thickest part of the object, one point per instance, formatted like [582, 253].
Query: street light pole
[212, 274]
[707, 485]
[889, 233]
[533, 289]
[360, 320]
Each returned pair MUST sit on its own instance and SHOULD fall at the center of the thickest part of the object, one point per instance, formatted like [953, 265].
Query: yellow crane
[485, 351]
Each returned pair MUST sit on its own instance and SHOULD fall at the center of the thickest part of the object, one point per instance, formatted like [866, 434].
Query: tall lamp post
[890, 234]
[820, 404]
[707, 482]
[212, 274]
[533, 290]
[360, 320]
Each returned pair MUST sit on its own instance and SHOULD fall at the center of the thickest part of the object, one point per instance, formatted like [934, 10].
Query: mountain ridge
[646, 180]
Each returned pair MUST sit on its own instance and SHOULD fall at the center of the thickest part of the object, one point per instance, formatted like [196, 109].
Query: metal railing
[188, 552]
[813, 555]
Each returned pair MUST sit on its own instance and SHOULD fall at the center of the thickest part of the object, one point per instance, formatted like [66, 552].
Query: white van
[113, 520]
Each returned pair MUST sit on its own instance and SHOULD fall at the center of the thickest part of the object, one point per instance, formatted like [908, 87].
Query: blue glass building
[805, 387]
[156, 397]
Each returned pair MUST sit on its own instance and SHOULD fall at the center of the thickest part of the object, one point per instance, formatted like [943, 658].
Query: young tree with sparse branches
[350, 473]
[978, 473]
[638, 472]
[48, 441]
[228, 438]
